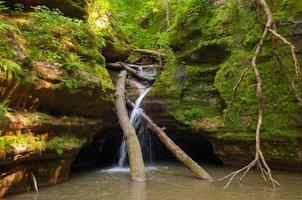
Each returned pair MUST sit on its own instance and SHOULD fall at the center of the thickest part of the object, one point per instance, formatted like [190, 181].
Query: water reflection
[138, 191]
[168, 182]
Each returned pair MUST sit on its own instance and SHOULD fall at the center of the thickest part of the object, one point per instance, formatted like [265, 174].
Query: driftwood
[125, 66]
[136, 162]
[198, 171]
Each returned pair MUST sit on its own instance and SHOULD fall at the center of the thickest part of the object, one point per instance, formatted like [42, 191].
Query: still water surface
[168, 182]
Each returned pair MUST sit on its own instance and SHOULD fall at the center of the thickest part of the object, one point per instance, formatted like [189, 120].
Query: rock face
[56, 99]
[195, 90]
[280, 152]
[48, 168]
[18, 164]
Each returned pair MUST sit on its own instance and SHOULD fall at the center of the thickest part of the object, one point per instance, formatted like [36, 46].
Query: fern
[4, 108]
[9, 70]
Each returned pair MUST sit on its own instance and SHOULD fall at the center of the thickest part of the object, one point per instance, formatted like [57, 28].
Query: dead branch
[291, 81]
[134, 150]
[197, 170]
[235, 89]
[149, 52]
[134, 66]
[125, 66]
[292, 48]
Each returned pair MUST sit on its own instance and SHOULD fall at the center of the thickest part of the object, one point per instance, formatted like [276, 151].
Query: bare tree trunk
[136, 162]
[198, 171]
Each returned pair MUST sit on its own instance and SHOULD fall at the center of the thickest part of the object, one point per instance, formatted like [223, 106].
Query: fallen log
[136, 162]
[135, 66]
[124, 66]
[196, 169]
[149, 52]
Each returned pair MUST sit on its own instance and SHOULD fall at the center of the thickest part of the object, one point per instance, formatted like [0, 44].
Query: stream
[167, 181]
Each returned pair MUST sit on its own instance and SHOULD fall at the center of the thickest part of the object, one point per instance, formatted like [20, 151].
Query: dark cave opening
[104, 150]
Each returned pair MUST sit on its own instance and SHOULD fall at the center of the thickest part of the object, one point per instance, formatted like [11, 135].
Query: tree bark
[124, 66]
[149, 52]
[136, 162]
[198, 171]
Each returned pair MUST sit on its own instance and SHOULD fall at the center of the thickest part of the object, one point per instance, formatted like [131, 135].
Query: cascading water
[145, 139]
[144, 135]
[141, 130]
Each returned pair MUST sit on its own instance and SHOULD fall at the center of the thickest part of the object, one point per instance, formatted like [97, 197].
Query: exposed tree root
[259, 160]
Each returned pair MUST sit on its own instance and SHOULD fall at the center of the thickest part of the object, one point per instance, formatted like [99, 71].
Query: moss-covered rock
[213, 46]
[71, 8]
[56, 95]
[51, 69]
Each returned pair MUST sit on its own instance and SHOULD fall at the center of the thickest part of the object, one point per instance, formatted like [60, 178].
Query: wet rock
[48, 168]
[239, 149]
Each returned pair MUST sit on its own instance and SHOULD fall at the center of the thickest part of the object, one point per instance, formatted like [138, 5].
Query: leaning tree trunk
[197, 170]
[134, 150]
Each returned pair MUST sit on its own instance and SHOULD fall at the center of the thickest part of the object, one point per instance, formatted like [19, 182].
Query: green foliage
[4, 108]
[9, 70]
[166, 84]
[54, 37]
[59, 144]
[280, 107]
[142, 22]
[25, 142]
[197, 26]
[49, 37]
[17, 143]
[2, 7]
[7, 31]
[192, 113]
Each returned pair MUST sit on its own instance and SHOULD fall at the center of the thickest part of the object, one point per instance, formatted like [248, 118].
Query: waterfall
[144, 139]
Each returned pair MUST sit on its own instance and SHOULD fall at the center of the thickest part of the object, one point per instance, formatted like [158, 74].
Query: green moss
[17, 142]
[21, 143]
[47, 37]
[9, 70]
[4, 108]
[281, 110]
[59, 144]
[224, 36]
[58, 38]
